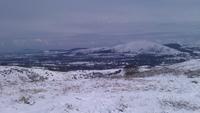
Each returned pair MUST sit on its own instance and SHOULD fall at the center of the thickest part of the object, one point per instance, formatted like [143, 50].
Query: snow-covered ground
[58, 92]
[136, 47]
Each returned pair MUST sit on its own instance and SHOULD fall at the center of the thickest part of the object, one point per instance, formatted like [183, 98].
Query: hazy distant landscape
[137, 53]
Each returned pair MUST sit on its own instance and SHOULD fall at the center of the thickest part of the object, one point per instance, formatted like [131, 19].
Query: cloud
[73, 23]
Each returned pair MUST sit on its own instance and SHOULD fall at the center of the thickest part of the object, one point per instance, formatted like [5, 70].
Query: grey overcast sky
[64, 24]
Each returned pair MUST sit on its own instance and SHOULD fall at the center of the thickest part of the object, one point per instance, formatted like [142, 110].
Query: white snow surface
[191, 65]
[145, 47]
[136, 47]
[62, 93]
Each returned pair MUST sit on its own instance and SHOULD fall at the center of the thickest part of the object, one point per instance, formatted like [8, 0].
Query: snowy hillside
[14, 74]
[136, 47]
[145, 47]
[33, 90]
[191, 65]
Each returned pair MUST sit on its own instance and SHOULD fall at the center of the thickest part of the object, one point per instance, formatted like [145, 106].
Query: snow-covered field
[58, 92]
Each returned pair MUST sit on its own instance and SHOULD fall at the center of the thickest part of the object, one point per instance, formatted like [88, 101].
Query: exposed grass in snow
[157, 94]
[73, 92]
